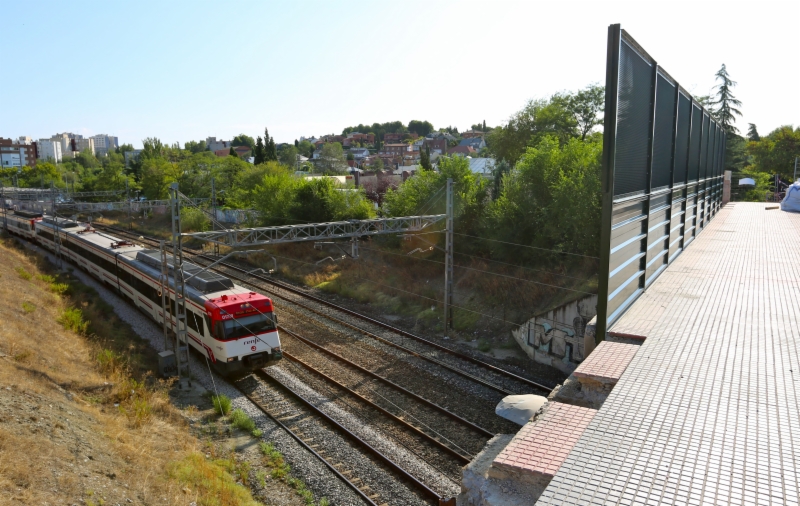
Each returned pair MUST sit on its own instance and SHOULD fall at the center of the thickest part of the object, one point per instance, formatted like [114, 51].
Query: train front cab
[244, 330]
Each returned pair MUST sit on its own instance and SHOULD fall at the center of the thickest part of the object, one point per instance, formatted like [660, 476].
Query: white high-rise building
[49, 149]
[104, 143]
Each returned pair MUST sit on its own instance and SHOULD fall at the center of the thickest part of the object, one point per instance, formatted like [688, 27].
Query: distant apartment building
[104, 143]
[397, 149]
[83, 145]
[16, 154]
[49, 150]
[214, 145]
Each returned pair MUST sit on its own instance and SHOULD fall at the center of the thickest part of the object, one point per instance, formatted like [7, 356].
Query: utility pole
[128, 198]
[448, 261]
[181, 342]
[214, 211]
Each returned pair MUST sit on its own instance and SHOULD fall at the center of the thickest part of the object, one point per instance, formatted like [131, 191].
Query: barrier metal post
[448, 261]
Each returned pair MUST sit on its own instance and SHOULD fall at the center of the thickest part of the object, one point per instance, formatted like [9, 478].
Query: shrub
[484, 345]
[72, 319]
[240, 420]
[109, 361]
[222, 404]
[46, 278]
[28, 307]
[59, 288]
[23, 273]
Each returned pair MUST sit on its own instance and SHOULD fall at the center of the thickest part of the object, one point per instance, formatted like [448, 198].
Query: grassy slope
[79, 422]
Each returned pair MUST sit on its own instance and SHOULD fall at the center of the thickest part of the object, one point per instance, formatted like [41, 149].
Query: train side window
[209, 328]
[191, 321]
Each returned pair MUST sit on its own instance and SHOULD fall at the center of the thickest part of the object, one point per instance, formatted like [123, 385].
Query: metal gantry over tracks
[263, 236]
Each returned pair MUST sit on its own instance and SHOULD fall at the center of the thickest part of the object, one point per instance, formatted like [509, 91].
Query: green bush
[194, 220]
[222, 404]
[484, 345]
[240, 420]
[28, 307]
[72, 319]
[23, 273]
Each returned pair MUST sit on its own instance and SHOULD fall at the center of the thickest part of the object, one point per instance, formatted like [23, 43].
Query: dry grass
[79, 412]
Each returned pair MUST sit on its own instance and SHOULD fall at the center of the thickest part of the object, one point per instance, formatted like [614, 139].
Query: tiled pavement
[540, 447]
[707, 412]
[607, 362]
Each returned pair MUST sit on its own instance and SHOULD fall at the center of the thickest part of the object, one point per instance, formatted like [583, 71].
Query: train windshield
[249, 325]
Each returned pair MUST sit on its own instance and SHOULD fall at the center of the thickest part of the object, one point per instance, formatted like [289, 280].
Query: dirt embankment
[82, 419]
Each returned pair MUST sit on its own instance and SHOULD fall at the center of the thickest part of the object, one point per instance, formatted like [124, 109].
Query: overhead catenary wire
[424, 296]
[485, 272]
[479, 258]
[526, 246]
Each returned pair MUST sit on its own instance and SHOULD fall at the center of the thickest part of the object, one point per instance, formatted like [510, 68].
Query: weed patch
[23, 273]
[210, 481]
[72, 319]
[222, 404]
[240, 420]
[28, 307]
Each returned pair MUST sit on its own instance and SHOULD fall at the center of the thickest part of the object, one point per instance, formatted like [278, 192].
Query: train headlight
[276, 349]
[231, 359]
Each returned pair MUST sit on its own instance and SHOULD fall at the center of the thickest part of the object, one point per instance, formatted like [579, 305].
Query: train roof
[203, 281]
[27, 214]
[52, 222]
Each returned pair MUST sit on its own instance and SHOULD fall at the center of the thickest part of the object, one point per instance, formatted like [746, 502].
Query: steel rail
[296, 291]
[305, 445]
[462, 459]
[433, 405]
[421, 487]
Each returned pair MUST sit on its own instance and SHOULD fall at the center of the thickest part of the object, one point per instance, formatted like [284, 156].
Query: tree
[421, 128]
[233, 153]
[775, 153]
[377, 165]
[259, 155]
[151, 148]
[331, 159]
[548, 179]
[587, 107]
[288, 156]
[752, 133]
[726, 104]
[195, 147]
[526, 127]
[499, 172]
[270, 151]
[243, 140]
[425, 158]
[306, 149]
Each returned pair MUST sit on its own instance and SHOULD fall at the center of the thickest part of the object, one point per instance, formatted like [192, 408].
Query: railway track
[411, 420]
[333, 443]
[481, 372]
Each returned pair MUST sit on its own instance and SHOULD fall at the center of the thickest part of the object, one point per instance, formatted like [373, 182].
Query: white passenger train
[234, 327]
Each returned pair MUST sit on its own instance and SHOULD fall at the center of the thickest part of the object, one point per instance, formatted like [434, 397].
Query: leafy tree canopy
[775, 153]
[243, 140]
[421, 128]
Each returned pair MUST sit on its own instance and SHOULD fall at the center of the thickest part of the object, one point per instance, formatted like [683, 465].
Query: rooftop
[707, 412]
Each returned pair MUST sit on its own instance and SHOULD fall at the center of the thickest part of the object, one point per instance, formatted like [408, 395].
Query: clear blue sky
[181, 70]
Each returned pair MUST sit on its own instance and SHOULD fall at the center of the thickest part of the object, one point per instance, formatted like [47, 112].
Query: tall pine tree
[270, 151]
[752, 133]
[726, 104]
[258, 153]
[425, 158]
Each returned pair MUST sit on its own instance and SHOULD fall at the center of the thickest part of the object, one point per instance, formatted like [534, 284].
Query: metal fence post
[448, 261]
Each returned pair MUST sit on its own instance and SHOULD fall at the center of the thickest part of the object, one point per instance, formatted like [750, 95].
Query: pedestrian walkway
[707, 412]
